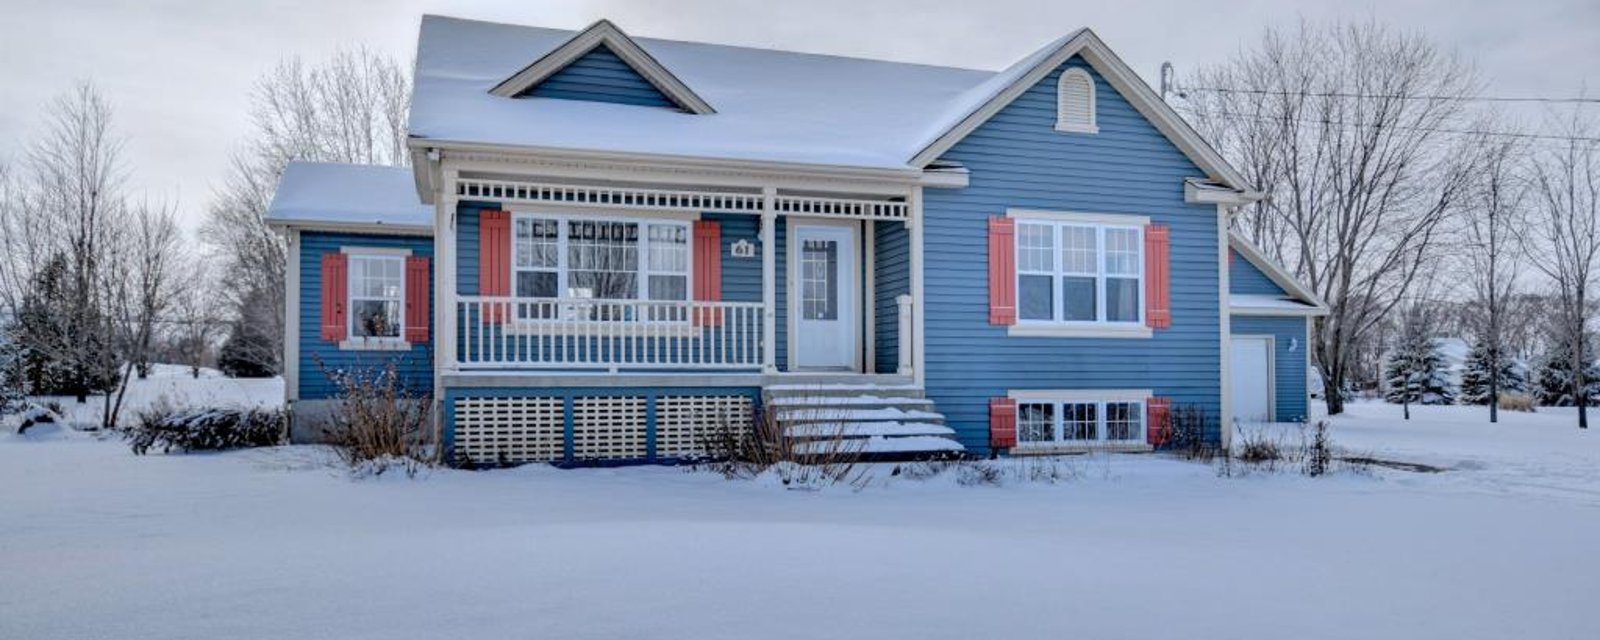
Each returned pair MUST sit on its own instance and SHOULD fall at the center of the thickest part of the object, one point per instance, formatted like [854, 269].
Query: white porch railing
[511, 333]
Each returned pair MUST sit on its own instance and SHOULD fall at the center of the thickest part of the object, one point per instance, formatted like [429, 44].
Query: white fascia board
[1276, 273]
[607, 34]
[1196, 194]
[1125, 81]
[372, 228]
[1308, 311]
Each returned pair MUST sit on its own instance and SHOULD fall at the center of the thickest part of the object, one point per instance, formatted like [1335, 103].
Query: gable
[601, 76]
[1245, 278]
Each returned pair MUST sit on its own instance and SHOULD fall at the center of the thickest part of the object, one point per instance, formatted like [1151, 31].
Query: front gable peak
[605, 39]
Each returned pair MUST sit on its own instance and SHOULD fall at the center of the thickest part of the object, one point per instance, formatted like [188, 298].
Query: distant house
[607, 246]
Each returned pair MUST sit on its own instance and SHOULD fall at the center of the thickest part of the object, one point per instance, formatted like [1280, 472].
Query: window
[599, 259]
[377, 293]
[1075, 108]
[1076, 272]
[1044, 422]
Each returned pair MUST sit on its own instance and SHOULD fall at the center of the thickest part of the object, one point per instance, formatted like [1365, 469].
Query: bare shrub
[1516, 402]
[822, 456]
[177, 429]
[1258, 448]
[1189, 424]
[379, 424]
[1319, 453]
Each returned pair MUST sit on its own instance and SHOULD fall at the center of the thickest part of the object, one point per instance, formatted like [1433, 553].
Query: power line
[1339, 94]
[1466, 132]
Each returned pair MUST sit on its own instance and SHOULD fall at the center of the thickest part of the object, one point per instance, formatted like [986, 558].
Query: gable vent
[1075, 102]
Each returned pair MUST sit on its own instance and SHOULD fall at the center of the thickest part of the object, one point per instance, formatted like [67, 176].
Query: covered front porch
[657, 278]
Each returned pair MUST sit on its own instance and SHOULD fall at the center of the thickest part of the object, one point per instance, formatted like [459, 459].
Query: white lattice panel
[608, 428]
[510, 430]
[683, 423]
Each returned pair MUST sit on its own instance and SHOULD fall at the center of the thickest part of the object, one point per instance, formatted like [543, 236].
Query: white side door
[1250, 373]
[823, 296]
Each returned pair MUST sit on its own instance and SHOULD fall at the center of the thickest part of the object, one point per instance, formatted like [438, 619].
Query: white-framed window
[1079, 419]
[599, 258]
[377, 295]
[1079, 273]
[1075, 104]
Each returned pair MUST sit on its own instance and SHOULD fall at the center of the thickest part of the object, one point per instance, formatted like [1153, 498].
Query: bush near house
[184, 430]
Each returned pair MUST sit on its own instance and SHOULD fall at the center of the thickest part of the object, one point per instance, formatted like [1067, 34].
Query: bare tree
[1360, 170]
[1563, 239]
[351, 108]
[193, 320]
[1490, 253]
[142, 259]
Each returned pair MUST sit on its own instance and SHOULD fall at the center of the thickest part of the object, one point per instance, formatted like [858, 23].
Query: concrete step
[828, 404]
[773, 392]
[884, 429]
[787, 417]
[908, 446]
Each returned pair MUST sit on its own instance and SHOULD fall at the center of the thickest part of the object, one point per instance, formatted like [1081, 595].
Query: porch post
[444, 270]
[914, 238]
[769, 279]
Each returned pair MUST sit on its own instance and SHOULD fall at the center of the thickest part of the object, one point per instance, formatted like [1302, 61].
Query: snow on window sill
[1059, 448]
[1079, 331]
[374, 344]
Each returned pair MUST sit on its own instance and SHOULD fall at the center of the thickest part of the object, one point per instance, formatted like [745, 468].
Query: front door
[823, 300]
[1250, 370]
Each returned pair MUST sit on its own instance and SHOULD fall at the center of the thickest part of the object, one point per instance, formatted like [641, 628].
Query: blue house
[607, 248]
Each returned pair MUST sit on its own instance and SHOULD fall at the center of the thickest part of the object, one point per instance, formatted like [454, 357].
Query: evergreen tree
[11, 392]
[1552, 385]
[62, 352]
[1415, 374]
[240, 354]
[1475, 376]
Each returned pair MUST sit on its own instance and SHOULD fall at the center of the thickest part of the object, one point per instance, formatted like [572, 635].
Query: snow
[878, 444]
[770, 105]
[348, 194]
[863, 429]
[854, 415]
[1255, 301]
[273, 543]
[172, 385]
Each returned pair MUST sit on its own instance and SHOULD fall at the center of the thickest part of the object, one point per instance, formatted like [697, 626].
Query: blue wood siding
[1288, 360]
[741, 277]
[1018, 159]
[1244, 277]
[892, 257]
[318, 356]
[601, 76]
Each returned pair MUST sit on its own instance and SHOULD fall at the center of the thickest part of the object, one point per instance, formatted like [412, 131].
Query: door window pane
[819, 286]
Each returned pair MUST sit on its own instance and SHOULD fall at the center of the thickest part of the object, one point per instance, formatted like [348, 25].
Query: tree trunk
[1494, 385]
[1331, 383]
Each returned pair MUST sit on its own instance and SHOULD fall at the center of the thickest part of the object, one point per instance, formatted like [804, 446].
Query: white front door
[1250, 371]
[822, 297]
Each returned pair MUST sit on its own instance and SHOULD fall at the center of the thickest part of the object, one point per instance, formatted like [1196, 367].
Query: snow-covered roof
[332, 194]
[775, 106]
[1269, 304]
[1297, 298]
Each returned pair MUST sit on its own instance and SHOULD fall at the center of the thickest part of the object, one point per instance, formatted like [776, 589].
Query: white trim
[1042, 449]
[1308, 312]
[1277, 274]
[1058, 330]
[1080, 395]
[1058, 272]
[1225, 327]
[869, 296]
[791, 285]
[366, 343]
[1272, 369]
[919, 307]
[363, 228]
[445, 286]
[597, 34]
[375, 251]
[291, 319]
[1194, 193]
[769, 282]
[1124, 219]
[1098, 397]
[1062, 125]
[642, 273]
[374, 344]
[1311, 365]
[1121, 78]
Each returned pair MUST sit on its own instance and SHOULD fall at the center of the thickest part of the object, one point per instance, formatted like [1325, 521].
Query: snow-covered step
[876, 445]
[849, 402]
[844, 414]
[888, 429]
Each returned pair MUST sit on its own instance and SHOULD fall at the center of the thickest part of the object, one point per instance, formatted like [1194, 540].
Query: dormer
[603, 64]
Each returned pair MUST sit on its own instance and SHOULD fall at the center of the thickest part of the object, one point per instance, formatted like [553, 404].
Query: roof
[774, 106]
[326, 194]
[1297, 298]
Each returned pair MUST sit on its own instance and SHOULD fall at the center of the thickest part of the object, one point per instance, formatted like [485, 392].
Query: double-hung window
[603, 260]
[377, 293]
[1079, 273]
[1044, 422]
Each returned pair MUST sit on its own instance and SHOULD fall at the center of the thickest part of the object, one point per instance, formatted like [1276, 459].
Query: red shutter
[335, 289]
[494, 259]
[1158, 421]
[1002, 271]
[1157, 277]
[707, 270]
[1002, 423]
[418, 308]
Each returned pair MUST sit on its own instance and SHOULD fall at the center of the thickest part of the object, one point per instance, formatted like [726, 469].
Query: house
[608, 246]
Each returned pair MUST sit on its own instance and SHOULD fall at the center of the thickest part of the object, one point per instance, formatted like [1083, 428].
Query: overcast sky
[179, 72]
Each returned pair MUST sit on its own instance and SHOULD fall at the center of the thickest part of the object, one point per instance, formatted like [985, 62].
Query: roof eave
[1276, 273]
[605, 33]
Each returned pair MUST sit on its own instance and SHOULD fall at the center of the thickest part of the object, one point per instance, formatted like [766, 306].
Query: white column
[444, 276]
[869, 296]
[1225, 324]
[914, 226]
[291, 320]
[769, 279]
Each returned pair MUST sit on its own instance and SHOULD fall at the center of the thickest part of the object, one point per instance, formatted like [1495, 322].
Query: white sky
[179, 72]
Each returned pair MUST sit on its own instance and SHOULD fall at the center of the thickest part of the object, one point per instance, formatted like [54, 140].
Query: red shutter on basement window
[1158, 422]
[707, 270]
[335, 289]
[418, 308]
[1002, 271]
[1002, 423]
[1157, 277]
[494, 260]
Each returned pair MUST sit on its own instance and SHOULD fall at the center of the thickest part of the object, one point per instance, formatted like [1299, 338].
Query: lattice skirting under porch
[575, 428]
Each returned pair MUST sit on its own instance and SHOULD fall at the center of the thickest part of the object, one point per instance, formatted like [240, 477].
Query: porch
[663, 279]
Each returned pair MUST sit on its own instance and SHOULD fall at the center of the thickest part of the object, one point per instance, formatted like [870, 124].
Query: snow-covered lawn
[275, 544]
[175, 386]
